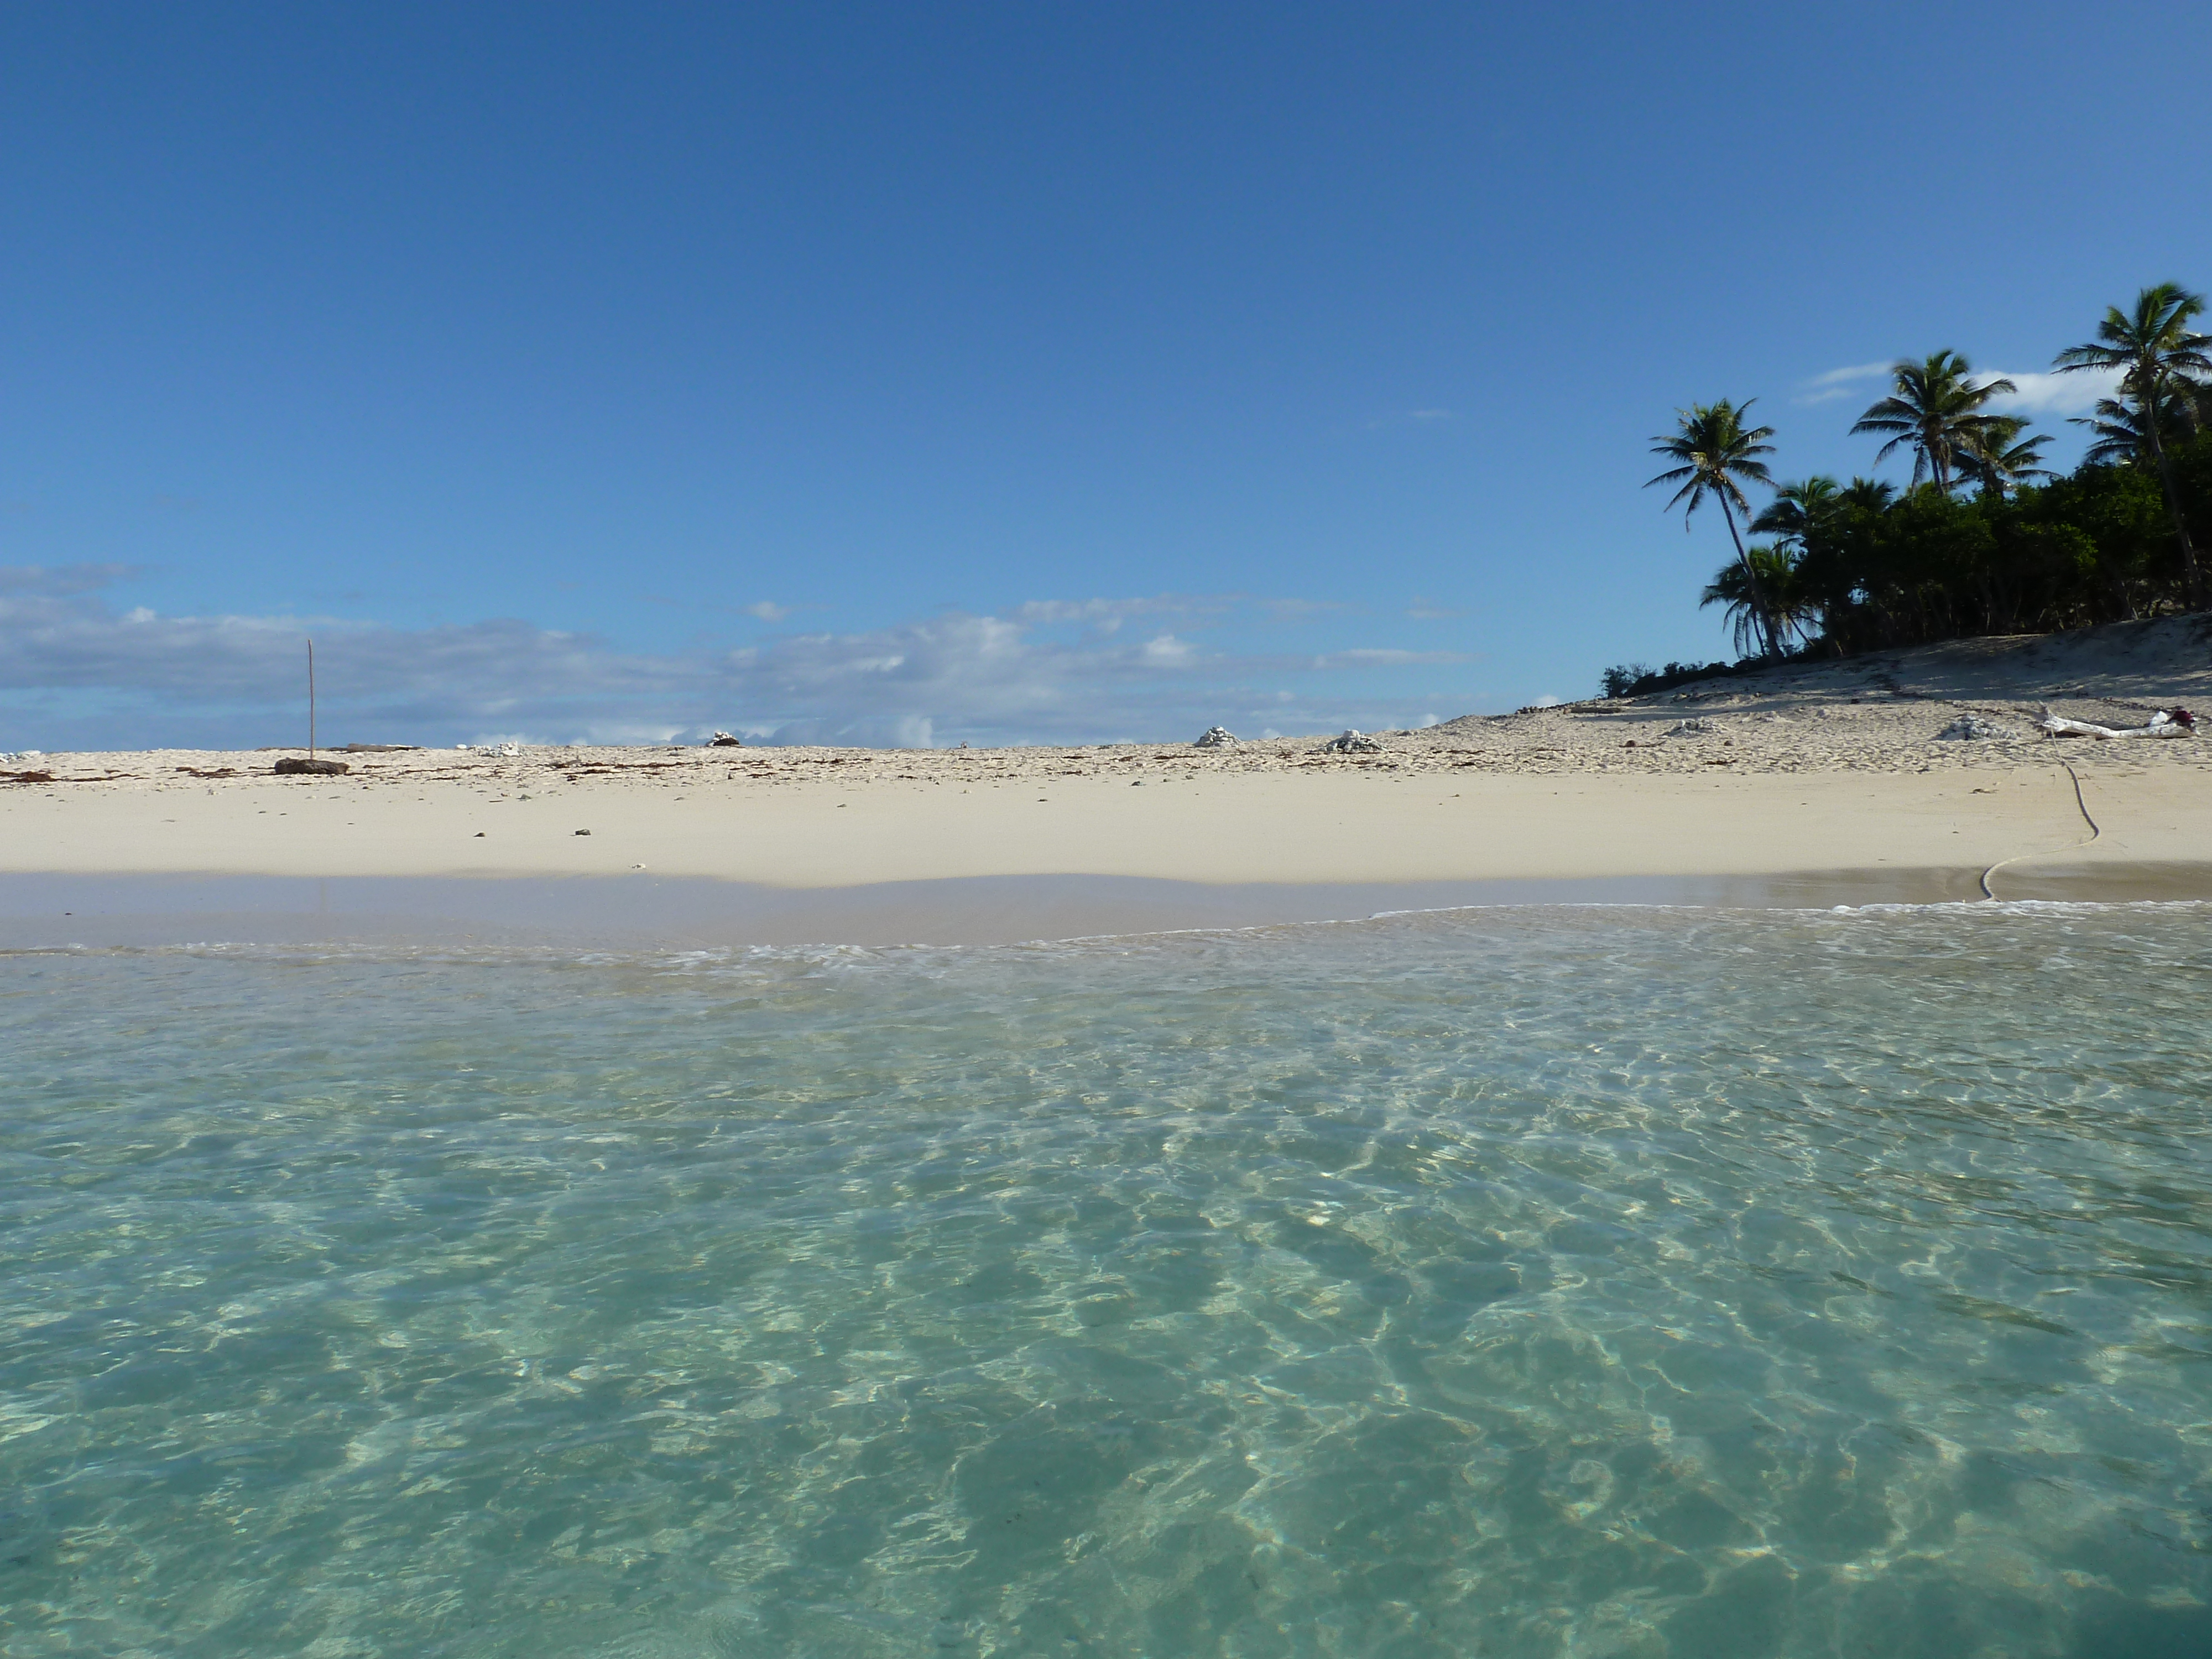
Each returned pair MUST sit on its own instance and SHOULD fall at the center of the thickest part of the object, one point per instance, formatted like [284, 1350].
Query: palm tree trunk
[2188, 578]
[1751, 577]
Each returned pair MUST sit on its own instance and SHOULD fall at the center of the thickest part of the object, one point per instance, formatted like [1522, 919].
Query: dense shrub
[1636, 679]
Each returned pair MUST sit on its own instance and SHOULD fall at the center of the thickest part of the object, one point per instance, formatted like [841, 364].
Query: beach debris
[376, 748]
[583, 832]
[23, 755]
[1352, 743]
[502, 750]
[725, 740]
[1970, 728]
[1217, 737]
[1696, 727]
[297, 765]
[2167, 723]
[26, 777]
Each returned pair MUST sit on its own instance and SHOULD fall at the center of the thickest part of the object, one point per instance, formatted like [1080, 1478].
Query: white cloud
[1855, 372]
[2053, 394]
[767, 610]
[1299, 611]
[1387, 657]
[2040, 392]
[1095, 610]
[1169, 652]
[1839, 382]
[36, 579]
[77, 673]
[894, 731]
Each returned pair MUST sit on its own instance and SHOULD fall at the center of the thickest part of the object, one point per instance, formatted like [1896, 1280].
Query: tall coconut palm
[1934, 408]
[2160, 358]
[1995, 455]
[1718, 455]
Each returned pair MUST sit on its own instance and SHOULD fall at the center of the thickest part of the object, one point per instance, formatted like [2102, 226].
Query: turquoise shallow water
[1525, 1283]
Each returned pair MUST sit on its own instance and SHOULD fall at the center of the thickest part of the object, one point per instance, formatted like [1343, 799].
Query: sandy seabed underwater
[1549, 1281]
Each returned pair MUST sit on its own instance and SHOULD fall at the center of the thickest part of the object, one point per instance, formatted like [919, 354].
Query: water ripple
[1559, 1282]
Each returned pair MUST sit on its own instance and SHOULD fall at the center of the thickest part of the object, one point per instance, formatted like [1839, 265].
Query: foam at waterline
[917, 951]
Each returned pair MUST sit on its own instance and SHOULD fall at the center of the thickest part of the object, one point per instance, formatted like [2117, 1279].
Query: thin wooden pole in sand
[311, 700]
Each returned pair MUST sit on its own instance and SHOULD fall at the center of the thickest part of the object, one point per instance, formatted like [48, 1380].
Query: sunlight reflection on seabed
[1558, 1281]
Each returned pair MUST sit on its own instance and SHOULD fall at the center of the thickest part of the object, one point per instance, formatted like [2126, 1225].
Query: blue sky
[930, 373]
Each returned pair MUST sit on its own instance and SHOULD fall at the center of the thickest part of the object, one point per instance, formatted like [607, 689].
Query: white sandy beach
[1798, 770]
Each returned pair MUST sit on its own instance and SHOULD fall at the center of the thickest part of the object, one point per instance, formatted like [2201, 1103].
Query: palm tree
[1798, 510]
[2120, 438]
[1995, 455]
[2158, 357]
[1872, 496]
[1760, 589]
[1934, 409]
[1716, 451]
[1811, 522]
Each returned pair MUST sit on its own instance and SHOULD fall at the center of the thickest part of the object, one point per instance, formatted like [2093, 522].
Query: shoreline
[89, 911]
[1841, 782]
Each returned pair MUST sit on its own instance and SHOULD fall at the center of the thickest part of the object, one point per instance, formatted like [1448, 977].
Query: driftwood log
[295, 765]
[2167, 723]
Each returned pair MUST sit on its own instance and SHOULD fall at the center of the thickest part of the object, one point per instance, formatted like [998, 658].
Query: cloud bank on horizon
[78, 673]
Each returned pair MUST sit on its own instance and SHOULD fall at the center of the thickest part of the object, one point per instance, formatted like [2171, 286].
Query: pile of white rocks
[1972, 728]
[1217, 737]
[1352, 743]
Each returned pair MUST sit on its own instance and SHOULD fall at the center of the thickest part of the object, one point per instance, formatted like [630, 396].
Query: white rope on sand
[2080, 805]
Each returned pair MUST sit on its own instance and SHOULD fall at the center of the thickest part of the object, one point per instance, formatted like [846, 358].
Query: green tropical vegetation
[1986, 538]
